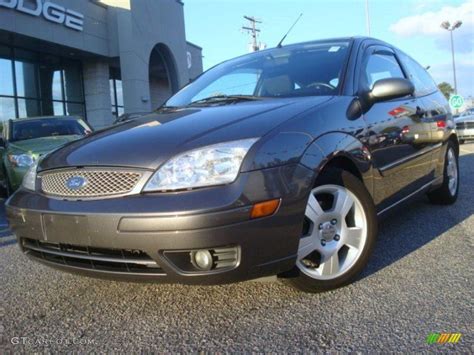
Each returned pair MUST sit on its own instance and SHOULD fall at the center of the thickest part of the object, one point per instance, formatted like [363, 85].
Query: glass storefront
[116, 92]
[33, 84]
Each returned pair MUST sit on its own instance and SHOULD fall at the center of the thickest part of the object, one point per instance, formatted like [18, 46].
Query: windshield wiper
[224, 99]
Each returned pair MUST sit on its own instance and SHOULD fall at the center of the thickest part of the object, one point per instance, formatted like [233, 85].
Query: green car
[24, 140]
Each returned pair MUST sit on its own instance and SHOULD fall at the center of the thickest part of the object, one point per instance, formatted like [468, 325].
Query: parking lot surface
[419, 281]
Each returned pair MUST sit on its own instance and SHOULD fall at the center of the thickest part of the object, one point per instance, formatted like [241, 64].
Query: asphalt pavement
[419, 281]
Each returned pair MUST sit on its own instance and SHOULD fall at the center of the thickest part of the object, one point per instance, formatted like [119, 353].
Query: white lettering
[11, 4]
[53, 12]
[74, 20]
[28, 10]
[50, 11]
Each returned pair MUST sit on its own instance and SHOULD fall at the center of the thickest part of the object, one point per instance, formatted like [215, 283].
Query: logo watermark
[443, 338]
[51, 341]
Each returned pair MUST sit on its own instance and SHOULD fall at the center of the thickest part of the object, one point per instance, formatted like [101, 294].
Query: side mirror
[383, 90]
[388, 89]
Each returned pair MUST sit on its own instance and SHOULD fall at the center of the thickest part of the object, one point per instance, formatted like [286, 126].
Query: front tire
[339, 234]
[447, 193]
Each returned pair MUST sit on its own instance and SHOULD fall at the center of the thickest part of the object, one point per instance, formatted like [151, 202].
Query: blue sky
[411, 25]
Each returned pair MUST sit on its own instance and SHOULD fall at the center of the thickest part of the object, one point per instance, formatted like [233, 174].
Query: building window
[116, 93]
[36, 84]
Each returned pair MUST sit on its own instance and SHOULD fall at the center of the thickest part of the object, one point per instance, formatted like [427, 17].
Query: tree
[446, 89]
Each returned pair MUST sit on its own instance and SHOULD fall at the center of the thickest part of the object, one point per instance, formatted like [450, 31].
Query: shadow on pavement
[418, 222]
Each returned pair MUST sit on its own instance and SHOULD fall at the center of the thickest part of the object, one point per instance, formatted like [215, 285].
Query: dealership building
[93, 58]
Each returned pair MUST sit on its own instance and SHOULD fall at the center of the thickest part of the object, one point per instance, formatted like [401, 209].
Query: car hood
[149, 141]
[40, 146]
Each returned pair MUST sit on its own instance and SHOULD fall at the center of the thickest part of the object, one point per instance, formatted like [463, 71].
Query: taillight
[441, 124]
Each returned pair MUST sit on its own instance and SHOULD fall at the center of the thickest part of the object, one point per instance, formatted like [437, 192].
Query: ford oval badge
[76, 182]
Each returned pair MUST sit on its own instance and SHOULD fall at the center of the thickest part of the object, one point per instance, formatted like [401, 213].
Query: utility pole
[253, 31]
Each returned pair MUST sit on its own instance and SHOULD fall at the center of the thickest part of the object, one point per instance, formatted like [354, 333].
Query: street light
[447, 26]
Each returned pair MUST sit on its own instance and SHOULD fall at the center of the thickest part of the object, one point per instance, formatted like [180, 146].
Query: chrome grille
[465, 125]
[98, 183]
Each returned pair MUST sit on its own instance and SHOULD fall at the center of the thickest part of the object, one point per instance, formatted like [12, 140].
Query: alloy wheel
[335, 233]
[452, 172]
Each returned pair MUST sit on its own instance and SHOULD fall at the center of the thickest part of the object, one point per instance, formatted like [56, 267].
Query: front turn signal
[266, 208]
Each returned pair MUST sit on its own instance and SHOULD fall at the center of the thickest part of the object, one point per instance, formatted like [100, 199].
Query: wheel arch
[344, 162]
[343, 151]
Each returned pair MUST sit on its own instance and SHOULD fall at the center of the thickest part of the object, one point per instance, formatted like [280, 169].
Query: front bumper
[465, 134]
[147, 236]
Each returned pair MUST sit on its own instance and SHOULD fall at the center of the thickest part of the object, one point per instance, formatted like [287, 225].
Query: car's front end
[27, 139]
[21, 155]
[465, 128]
[226, 233]
[172, 197]
[209, 189]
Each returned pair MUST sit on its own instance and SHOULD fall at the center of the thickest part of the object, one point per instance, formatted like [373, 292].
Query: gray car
[279, 162]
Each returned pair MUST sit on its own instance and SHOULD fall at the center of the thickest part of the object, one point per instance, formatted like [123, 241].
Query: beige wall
[124, 4]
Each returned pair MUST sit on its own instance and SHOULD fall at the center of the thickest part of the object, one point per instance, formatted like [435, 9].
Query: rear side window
[423, 82]
[382, 66]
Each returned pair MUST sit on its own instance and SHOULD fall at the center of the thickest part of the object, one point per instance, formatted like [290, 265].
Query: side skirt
[421, 190]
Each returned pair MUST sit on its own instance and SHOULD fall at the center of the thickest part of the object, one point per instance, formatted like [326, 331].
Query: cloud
[426, 26]
[429, 22]
[419, 5]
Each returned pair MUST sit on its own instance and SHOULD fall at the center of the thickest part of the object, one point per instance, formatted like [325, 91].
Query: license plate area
[66, 229]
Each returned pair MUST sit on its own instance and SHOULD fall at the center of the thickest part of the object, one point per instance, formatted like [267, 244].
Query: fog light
[202, 259]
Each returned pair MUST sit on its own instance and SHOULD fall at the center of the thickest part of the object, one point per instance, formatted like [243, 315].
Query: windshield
[299, 70]
[49, 127]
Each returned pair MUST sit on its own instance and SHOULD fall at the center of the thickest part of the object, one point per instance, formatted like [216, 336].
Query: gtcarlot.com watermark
[40, 340]
[51, 341]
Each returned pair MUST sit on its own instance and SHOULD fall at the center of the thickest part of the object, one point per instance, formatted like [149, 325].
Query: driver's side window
[382, 66]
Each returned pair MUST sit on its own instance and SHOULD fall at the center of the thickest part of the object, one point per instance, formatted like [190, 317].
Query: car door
[438, 116]
[397, 135]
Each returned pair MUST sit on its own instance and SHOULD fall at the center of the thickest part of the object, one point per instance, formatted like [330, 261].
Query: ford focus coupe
[279, 162]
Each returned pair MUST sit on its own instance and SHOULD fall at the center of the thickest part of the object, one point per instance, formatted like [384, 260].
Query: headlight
[212, 165]
[29, 180]
[21, 160]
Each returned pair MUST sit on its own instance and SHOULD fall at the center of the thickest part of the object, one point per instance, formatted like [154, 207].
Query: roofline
[194, 45]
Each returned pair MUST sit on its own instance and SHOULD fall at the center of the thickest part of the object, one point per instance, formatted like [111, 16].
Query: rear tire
[342, 233]
[447, 193]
